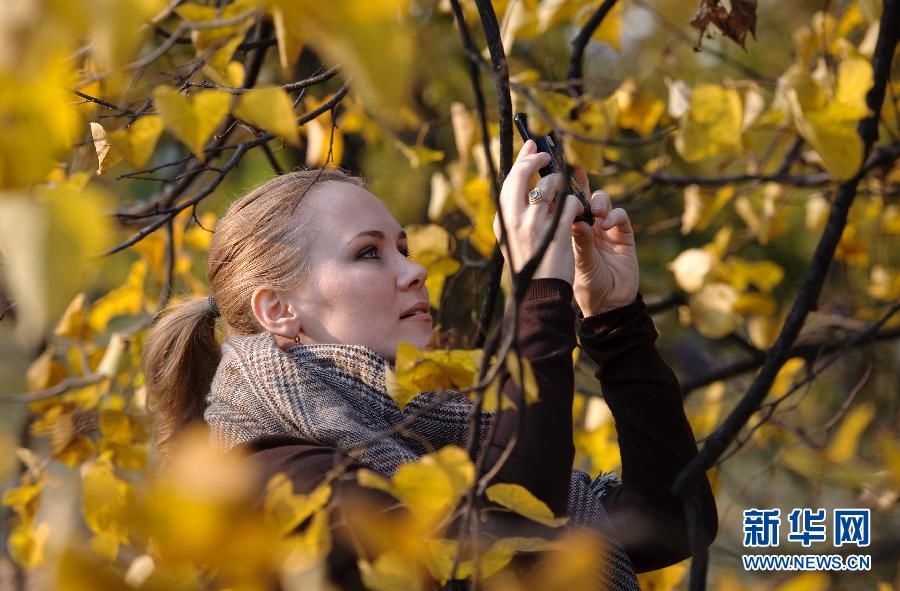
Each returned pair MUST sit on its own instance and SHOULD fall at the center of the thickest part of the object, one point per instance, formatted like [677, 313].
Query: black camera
[550, 144]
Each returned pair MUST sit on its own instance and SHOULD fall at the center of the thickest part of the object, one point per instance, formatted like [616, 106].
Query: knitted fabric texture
[335, 395]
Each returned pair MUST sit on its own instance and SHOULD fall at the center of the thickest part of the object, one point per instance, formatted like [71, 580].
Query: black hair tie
[213, 308]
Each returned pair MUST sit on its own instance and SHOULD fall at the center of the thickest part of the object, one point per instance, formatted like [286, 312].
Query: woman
[310, 273]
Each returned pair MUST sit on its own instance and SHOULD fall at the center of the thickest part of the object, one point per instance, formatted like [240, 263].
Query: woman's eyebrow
[377, 234]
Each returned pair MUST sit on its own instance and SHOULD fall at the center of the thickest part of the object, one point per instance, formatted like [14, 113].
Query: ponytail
[179, 360]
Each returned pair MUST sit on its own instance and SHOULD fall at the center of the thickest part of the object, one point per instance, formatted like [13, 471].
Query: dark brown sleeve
[655, 438]
[541, 460]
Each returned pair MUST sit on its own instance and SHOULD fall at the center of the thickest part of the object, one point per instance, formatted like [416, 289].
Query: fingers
[572, 208]
[618, 219]
[514, 194]
[601, 204]
[581, 175]
[551, 186]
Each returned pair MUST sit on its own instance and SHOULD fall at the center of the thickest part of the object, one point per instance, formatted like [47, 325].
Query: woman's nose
[414, 274]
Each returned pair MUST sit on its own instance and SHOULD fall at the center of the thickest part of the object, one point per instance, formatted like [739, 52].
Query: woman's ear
[274, 313]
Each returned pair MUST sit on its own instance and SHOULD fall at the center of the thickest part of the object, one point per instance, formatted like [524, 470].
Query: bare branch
[579, 43]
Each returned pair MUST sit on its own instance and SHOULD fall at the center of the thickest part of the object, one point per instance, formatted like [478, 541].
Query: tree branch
[808, 351]
[579, 43]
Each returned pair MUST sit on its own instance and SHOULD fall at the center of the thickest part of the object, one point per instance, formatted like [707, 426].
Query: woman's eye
[369, 250]
[372, 250]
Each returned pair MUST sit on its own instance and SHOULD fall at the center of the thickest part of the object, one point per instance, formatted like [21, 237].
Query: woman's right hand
[526, 224]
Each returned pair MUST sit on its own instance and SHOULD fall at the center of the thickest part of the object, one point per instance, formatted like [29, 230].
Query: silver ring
[536, 195]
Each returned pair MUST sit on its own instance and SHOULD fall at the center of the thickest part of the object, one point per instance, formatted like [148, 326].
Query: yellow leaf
[288, 34]
[691, 268]
[884, 283]
[804, 462]
[854, 79]
[419, 155]
[705, 420]
[310, 547]
[137, 142]
[416, 370]
[843, 444]
[831, 128]
[270, 109]
[24, 499]
[431, 486]
[765, 275]
[106, 156]
[639, 111]
[679, 97]
[597, 121]
[754, 303]
[391, 572]
[44, 371]
[763, 330]
[372, 479]
[890, 221]
[519, 499]
[600, 444]
[289, 510]
[372, 41]
[712, 310]
[476, 202]
[664, 579]
[464, 131]
[516, 373]
[853, 249]
[41, 121]
[107, 500]
[712, 124]
[105, 545]
[442, 556]
[72, 324]
[49, 244]
[192, 119]
[786, 375]
[700, 207]
[111, 362]
[77, 451]
[817, 209]
[26, 543]
[126, 299]
[890, 452]
[489, 400]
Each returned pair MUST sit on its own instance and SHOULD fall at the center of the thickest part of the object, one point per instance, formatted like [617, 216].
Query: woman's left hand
[606, 265]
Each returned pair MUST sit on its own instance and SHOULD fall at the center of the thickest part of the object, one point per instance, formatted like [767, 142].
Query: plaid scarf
[335, 396]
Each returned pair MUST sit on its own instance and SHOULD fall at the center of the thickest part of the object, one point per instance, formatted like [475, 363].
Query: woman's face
[361, 282]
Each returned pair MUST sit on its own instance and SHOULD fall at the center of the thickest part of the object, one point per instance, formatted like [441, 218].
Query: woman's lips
[419, 316]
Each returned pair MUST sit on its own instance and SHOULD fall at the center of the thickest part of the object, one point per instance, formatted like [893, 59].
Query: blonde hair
[263, 239]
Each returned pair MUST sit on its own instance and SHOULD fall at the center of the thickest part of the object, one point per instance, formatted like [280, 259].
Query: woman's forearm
[541, 460]
[655, 438]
